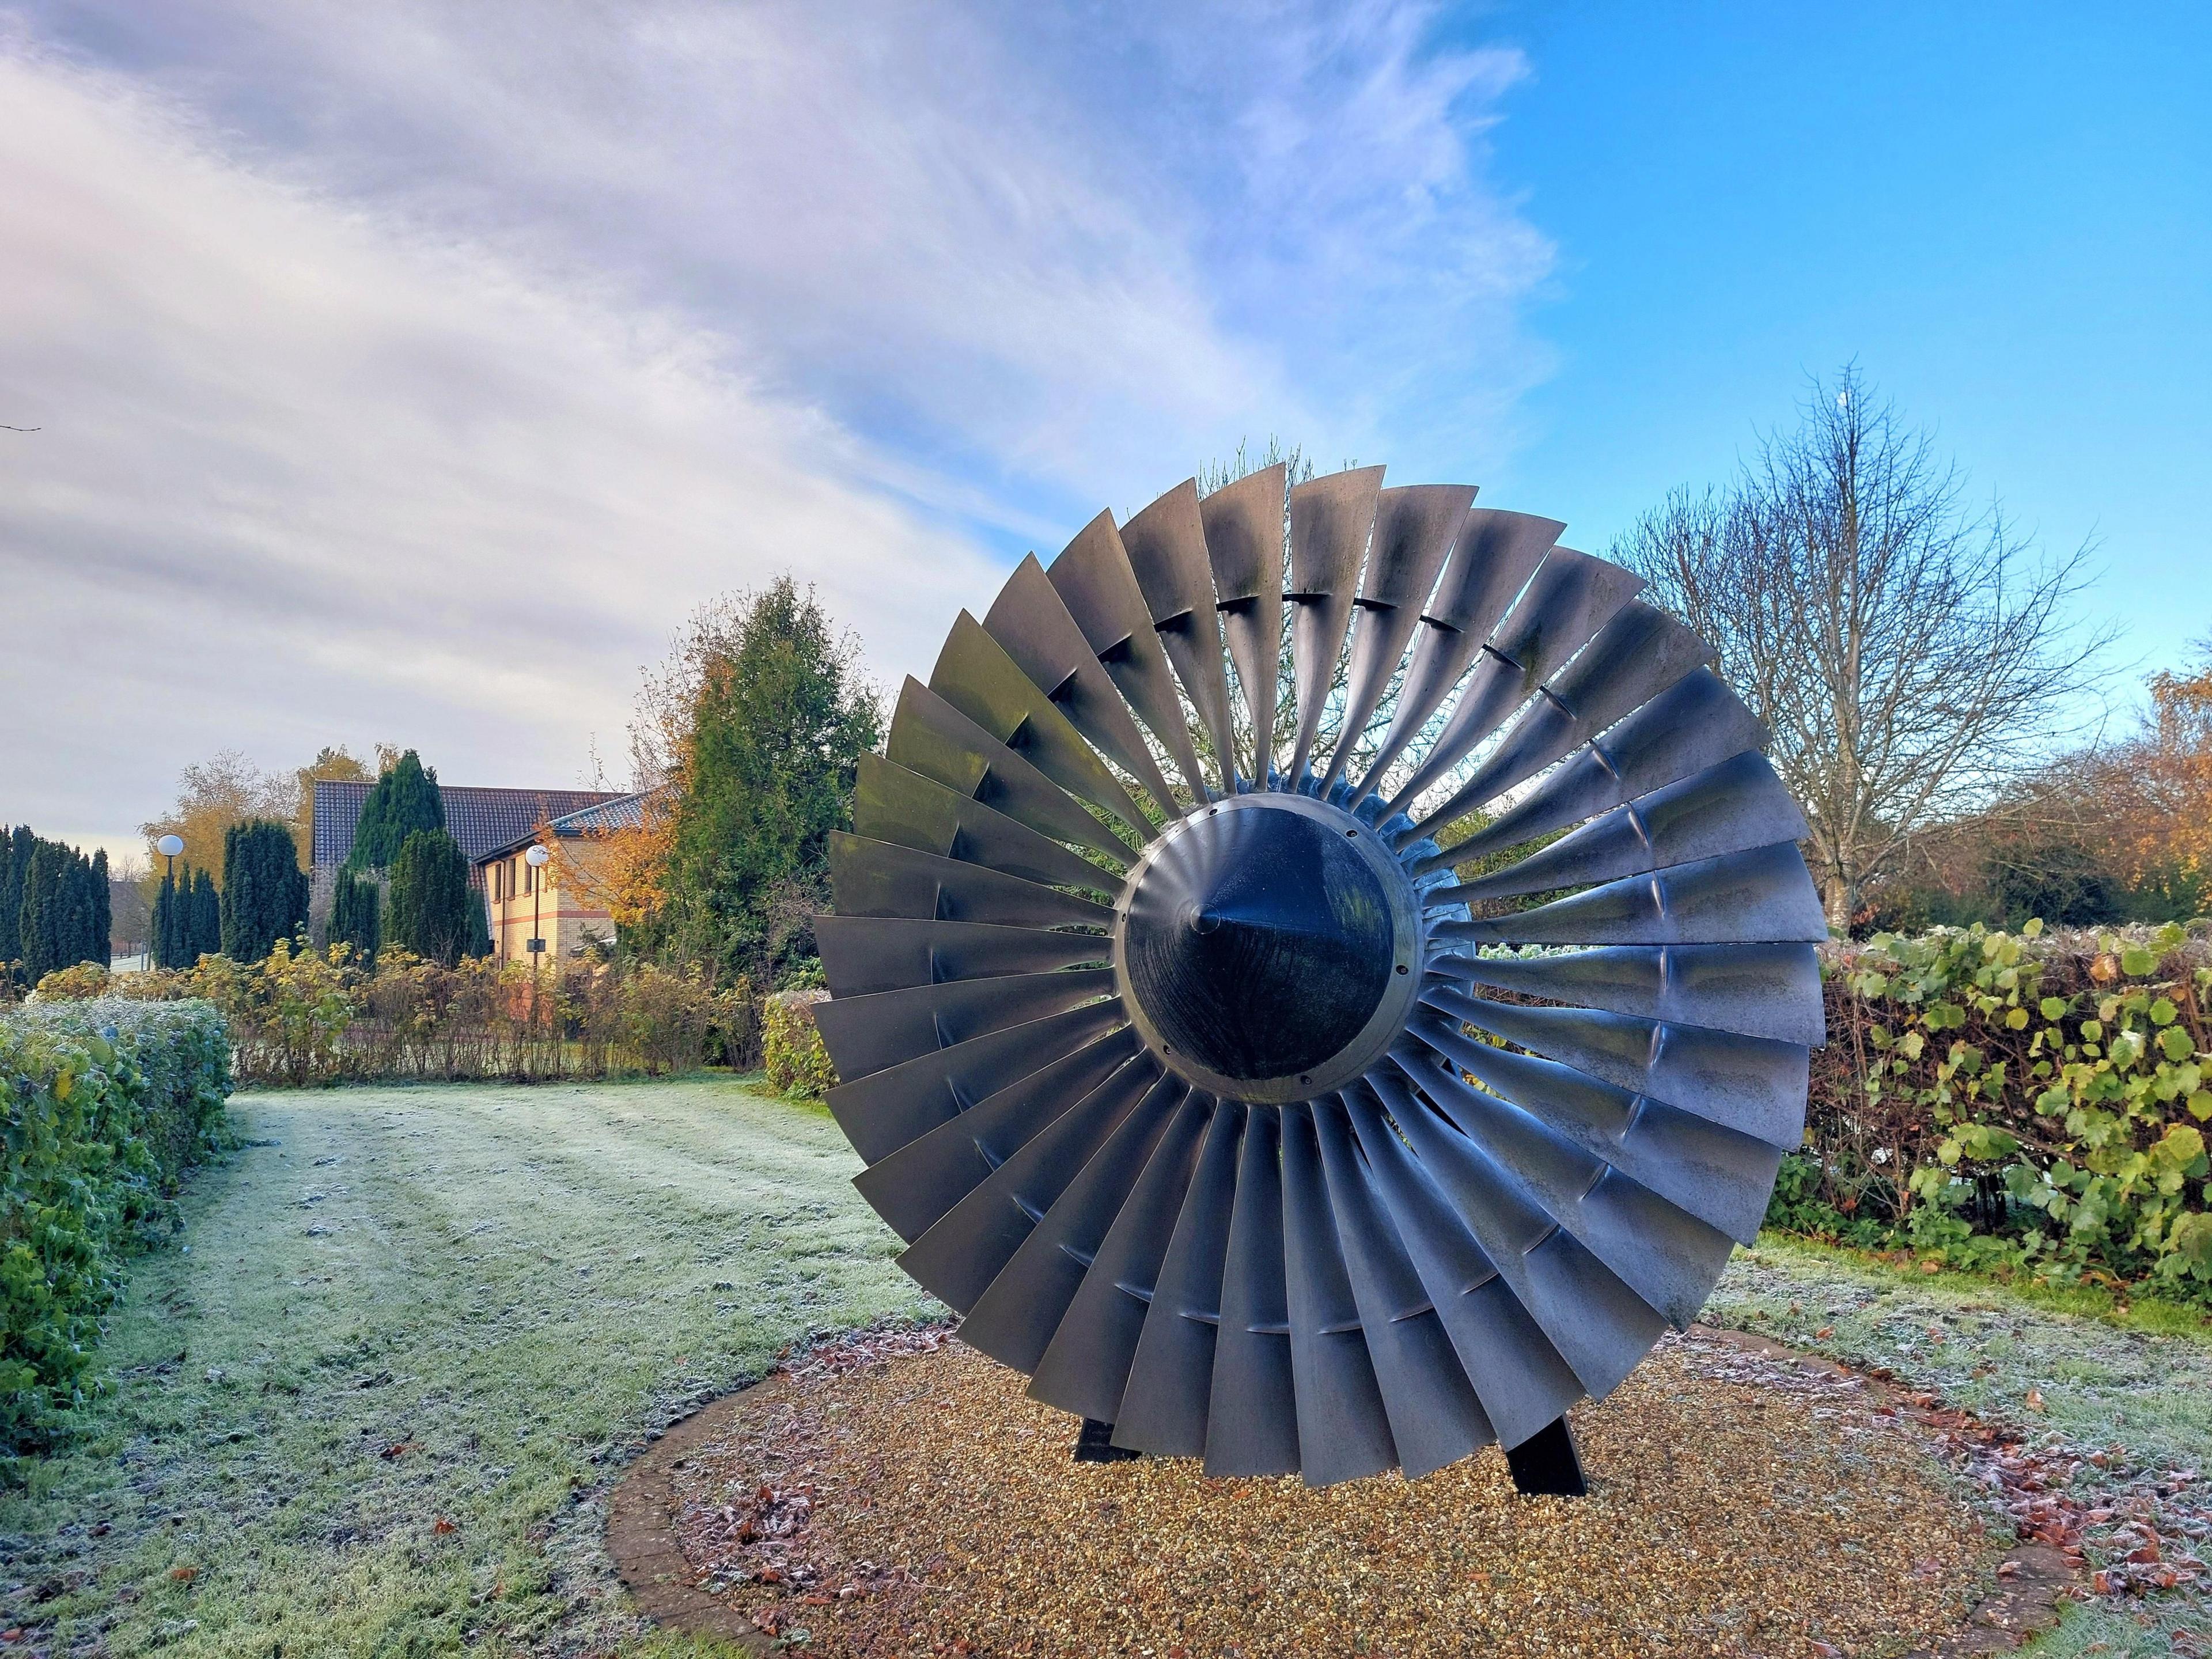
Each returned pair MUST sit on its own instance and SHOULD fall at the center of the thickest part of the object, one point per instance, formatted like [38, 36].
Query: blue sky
[407, 374]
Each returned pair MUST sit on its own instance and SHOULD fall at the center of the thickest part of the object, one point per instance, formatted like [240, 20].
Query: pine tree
[15, 864]
[203, 936]
[77, 919]
[265, 892]
[40, 915]
[103, 910]
[430, 897]
[163, 945]
[404, 800]
[356, 914]
[479, 943]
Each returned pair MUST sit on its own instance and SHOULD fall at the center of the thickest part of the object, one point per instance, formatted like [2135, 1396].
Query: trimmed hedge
[107, 1104]
[792, 1052]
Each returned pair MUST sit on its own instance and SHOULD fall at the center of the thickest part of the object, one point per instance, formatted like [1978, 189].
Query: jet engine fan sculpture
[1166, 1081]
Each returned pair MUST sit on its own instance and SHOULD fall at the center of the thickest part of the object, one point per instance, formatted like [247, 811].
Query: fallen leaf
[184, 1575]
[442, 1526]
[401, 1449]
[2035, 1400]
[1823, 1333]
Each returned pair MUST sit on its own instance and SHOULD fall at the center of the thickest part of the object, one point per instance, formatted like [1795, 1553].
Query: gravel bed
[901, 1495]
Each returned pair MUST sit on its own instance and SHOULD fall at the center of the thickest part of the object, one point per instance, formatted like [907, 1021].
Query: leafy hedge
[791, 1050]
[108, 1103]
[2009, 1103]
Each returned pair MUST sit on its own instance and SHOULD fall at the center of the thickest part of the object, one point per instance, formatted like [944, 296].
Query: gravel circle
[900, 1494]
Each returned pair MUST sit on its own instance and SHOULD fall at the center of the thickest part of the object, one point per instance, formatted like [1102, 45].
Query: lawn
[372, 1402]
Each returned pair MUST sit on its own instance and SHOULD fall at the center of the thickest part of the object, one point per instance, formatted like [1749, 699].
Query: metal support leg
[1545, 1464]
[1095, 1444]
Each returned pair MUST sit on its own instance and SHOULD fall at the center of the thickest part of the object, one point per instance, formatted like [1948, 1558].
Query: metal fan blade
[1759, 990]
[1496, 554]
[1435, 1416]
[1520, 1378]
[1094, 580]
[876, 879]
[1084, 1367]
[959, 1257]
[1415, 527]
[1748, 1084]
[1636, 655]
[930, 736]
[913, 1187]
[1569, 599]
[1252, 1420]
[1691, 726]
[1729, 808]
[1030, 621]
[862, 955]
[869, 1033]
[1014, 1320]
[1600, 1325]
[1344, 1429]
[1330, 519]
[1720, 1176]
[1166, 546]
[881, 1113]
[1765, 895]
[1243, 524]
[890, 803]
[1667, 1257]
[974, 674]
[1164, 1403]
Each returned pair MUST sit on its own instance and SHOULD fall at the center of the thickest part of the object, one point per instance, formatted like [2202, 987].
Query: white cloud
[408, 369]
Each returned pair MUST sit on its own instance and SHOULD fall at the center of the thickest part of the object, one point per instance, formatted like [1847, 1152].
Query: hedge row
[108, 1103]
[2016, 1103]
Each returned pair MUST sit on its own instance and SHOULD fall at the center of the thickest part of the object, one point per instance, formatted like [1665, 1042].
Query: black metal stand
[1095, 1444]
[1545, 1465]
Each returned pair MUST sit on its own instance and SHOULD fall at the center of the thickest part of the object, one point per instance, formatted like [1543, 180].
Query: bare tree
[1910, 656]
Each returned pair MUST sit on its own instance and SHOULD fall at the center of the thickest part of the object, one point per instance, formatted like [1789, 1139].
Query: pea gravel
[901, 1495]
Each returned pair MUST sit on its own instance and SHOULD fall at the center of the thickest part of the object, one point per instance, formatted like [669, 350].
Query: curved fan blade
[1492, 562]
[1343, 1430]
[1029, 619]
[883, 1112]
[1523, 1382]
[890, 803]
[1014, 1320]
[930, 736]
[1748, 1084]
[1729, 808]
[1415, 527]
[1166, 546]
[1666, 1255]
[1571, 597]
[1763, 896]
[1330, 519]
[958, 1257]
[1720, 1176]
[1170, 1383]
[1084, 1367]
[862, 955]
[1094, 580]
[1435, 1417]
[1757, 990]
[1243, 524]
[1252, 1419]
[1599, 1325]
[1685, 729]
[915, 1186]
[869, 1033]
[1636, 655]
[876, 879]
[974, 674]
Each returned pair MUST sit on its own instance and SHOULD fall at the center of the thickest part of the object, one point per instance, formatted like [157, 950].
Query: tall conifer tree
[265, 892]
[103, 910]
[39, 918]
[403, 800]
[430, 897]
[204, 936]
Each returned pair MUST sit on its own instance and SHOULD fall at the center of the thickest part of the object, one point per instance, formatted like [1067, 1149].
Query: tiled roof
[481, 820]
[618, 813]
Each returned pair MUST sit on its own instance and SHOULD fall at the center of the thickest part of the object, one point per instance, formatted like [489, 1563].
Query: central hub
[1267, 947]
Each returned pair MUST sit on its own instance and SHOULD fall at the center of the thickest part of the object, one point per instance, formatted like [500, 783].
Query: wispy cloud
[427, 364]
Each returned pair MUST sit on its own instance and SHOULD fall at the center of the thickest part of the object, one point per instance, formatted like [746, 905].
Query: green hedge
[108, 1103]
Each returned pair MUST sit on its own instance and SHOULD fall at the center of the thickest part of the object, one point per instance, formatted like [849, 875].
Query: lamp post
[537, 857]
[168, 847]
